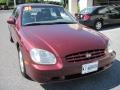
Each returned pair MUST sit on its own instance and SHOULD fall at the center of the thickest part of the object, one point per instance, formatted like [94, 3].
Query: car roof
[36, 4]
[96, 6]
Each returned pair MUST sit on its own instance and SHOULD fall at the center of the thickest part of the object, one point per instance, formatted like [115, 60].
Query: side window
[103, 11]
[15, 13]
[114, 10]
[118, 8]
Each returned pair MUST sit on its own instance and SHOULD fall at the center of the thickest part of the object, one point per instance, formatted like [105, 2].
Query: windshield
[45, 15]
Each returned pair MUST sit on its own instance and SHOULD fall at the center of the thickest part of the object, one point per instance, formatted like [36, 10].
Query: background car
[5, 7]
[97, 16]
[53, 46]
[0, 7]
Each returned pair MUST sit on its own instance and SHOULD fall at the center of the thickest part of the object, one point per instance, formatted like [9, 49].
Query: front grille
[85, 55]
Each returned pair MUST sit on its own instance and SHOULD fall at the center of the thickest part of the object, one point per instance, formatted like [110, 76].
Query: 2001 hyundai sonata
[52, 46]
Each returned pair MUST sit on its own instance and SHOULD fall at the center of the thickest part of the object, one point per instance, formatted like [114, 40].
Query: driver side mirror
[11, 20]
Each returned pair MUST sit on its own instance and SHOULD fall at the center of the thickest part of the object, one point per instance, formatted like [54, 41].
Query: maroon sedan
[52, 46]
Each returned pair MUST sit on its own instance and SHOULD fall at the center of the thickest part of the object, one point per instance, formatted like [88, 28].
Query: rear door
[118, 9]
[105, 15]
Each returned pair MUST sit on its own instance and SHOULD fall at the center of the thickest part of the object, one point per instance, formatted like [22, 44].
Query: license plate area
[90, 67]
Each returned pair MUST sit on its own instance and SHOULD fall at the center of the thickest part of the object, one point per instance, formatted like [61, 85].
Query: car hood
[64, 39]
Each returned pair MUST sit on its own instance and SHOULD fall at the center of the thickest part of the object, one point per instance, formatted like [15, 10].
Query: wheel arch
[100, 19]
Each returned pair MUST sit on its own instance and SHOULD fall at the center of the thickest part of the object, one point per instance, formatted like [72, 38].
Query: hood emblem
[88, 55]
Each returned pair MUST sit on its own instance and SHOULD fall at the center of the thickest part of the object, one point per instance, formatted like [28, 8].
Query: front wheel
[22, 64]
[98, 25]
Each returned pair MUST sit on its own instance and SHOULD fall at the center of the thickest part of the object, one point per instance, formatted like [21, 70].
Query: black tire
[10, 36]
[22, 64]
[98, 25]
[11, 40]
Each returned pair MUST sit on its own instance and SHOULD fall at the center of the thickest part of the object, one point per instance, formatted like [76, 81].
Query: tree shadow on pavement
[102, 81]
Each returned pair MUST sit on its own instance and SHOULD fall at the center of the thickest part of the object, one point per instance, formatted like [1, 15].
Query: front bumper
[45, 74]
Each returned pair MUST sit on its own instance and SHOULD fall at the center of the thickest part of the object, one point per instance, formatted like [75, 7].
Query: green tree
[65, 3]
[35, 1]
[27, 1]
[7, 2]
[3, 1]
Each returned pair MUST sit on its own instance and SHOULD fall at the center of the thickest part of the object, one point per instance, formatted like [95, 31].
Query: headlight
[110, 48]
[40, 56]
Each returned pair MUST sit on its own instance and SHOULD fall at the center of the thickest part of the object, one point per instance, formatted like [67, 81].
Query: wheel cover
[21, 62]
[98, 25]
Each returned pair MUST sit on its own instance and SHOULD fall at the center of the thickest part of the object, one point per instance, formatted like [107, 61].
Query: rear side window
[88, 10]
[114, 10]
[118, 8]
[103, 11]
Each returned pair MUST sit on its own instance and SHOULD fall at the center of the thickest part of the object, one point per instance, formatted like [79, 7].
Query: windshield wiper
[32, 24]
[51, 23]
[64, 23]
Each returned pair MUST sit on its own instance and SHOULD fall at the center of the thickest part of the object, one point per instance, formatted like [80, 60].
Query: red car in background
[53, 46]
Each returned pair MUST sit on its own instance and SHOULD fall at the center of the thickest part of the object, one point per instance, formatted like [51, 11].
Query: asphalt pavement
[11, 78]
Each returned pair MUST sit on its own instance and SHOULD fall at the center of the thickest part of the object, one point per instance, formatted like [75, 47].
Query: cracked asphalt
[11, 79]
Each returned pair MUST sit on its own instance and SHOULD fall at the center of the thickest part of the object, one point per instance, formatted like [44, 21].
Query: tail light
[86, 17]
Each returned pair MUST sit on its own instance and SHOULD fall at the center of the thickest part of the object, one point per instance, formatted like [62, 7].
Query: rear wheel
[22, 64]
[98, 25]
